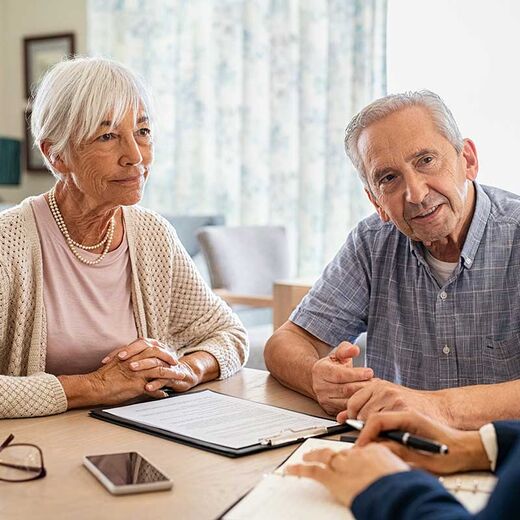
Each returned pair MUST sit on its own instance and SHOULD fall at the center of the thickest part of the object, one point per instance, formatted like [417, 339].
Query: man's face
[416, 178]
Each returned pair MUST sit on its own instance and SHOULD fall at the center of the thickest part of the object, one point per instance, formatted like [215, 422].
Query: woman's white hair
[76, 96]
[442, 118]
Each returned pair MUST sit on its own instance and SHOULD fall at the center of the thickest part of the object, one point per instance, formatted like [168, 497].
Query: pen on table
[405, 438]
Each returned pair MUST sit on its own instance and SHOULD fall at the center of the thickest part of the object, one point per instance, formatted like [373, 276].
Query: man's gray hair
[76, 96]
[442, 118]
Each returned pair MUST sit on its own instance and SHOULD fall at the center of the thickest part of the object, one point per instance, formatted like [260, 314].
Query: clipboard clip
[291, 435]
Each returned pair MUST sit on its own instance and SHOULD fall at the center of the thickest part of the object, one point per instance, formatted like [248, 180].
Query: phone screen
[124, 469]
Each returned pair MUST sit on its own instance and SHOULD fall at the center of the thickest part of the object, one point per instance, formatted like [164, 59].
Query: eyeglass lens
[20, 462]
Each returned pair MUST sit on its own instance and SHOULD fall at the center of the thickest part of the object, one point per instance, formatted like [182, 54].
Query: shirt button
[446, 349]
[443, 295]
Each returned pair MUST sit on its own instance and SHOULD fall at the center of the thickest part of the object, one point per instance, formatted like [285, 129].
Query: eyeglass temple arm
[6, 442]
[17, 466]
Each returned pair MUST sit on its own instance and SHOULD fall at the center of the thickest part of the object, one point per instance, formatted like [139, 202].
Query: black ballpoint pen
[405, 438]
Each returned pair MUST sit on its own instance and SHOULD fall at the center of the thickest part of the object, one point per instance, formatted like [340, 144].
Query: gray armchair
[243, 263]
[186, 227]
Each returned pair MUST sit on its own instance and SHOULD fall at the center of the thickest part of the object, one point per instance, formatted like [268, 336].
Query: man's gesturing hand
[334, 378]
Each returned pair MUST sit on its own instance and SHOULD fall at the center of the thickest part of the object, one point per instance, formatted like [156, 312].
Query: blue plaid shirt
[421, 334]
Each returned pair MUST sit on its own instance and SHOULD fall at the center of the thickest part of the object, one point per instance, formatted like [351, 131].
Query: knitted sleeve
[179, 308]
[31, 396]
[4, 299]
[24, 396]
[201, 321]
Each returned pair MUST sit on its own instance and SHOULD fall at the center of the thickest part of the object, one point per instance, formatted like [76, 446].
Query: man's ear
[469, 154]
[57, 162]
[380, 211]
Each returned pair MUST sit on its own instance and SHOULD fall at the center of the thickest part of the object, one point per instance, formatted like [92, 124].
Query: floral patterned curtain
[252, 98]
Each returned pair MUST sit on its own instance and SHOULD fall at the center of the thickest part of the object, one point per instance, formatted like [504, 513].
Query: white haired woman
[99, 302]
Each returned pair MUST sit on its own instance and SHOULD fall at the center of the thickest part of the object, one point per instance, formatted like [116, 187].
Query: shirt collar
[477, 227]
[475, 231]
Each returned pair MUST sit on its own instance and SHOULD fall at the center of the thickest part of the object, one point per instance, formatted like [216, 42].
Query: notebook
[284, 497]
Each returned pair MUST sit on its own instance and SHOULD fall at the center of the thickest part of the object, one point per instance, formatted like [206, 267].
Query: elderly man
[433, 278]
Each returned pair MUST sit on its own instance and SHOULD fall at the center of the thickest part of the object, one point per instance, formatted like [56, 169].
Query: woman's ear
[57, 162]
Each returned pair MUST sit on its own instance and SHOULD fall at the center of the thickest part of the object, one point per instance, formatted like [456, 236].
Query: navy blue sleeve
[415, 494]
[505, 499]
[508, 434]
[408, 496]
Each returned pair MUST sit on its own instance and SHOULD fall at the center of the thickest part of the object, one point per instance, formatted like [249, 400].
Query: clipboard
[268, 441]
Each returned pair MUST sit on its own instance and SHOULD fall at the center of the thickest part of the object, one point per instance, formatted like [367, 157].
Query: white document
[286, 497]
[472, 489]
[279, 497]
[217, 418]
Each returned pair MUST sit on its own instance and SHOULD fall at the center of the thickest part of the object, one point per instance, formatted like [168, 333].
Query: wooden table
[205, 484]
[287, 294]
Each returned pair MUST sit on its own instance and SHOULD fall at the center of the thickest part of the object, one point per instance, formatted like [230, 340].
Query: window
[467, 52]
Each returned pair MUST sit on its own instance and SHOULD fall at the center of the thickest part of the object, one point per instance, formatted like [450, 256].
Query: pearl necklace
[73, 246]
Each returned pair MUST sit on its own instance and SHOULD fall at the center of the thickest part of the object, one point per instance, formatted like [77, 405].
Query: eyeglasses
[20, 462]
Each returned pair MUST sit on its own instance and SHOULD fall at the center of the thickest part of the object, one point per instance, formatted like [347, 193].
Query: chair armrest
[244, 299]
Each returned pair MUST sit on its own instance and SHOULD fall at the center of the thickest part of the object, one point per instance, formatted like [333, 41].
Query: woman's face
[111, 168]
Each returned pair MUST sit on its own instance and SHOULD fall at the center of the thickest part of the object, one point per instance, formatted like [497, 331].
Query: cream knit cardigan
[171, 303]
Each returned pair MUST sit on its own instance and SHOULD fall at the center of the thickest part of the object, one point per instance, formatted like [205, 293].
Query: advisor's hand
[334, 378]
[466, 451]
[348, 472]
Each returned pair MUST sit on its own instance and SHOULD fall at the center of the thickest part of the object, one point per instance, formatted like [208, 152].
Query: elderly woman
[99, 302]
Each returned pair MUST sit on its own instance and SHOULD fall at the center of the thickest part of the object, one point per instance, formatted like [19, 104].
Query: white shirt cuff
[488, 436]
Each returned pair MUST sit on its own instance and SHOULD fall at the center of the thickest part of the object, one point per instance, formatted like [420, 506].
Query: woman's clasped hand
[150, 365]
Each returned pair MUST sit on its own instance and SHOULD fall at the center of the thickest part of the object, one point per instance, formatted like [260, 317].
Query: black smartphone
[129, 472]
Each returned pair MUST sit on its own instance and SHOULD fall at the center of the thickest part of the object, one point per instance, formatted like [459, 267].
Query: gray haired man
[433, 278]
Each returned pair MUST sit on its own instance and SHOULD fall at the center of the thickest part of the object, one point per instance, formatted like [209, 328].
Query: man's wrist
[443, 406]
[309, 380]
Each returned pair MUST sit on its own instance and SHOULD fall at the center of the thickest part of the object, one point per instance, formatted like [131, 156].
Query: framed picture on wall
[33, 158]
[42, 52]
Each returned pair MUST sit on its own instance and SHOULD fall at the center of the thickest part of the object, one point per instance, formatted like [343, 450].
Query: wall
[21, 18]
[466, 51]
[2, 61]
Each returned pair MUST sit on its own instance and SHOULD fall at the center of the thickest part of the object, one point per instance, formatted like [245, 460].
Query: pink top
[88, 308]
